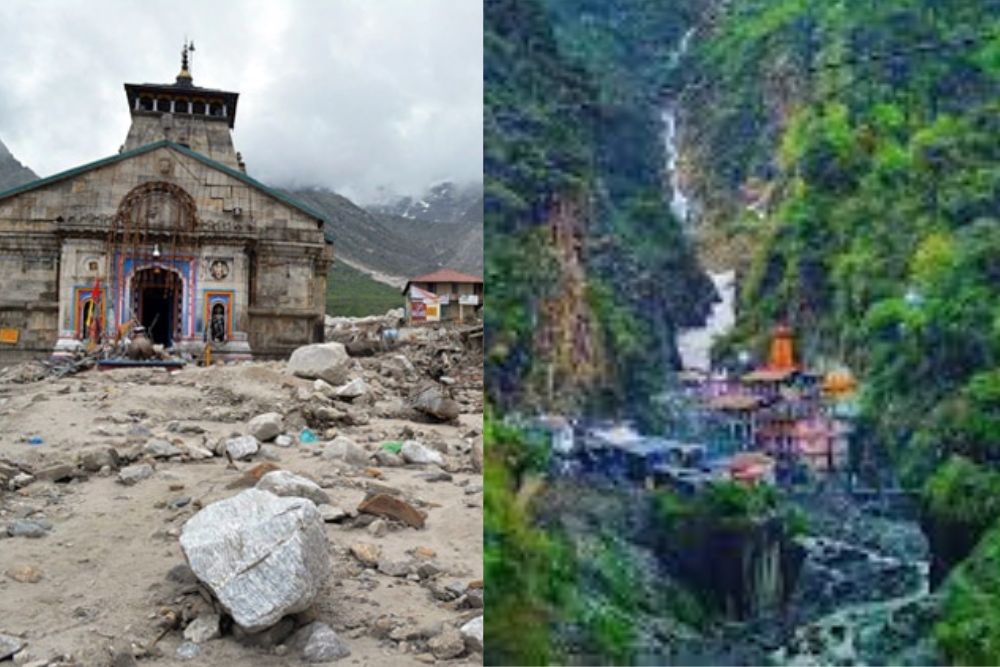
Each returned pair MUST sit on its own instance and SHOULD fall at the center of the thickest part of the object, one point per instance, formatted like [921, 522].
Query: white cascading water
[694, 345]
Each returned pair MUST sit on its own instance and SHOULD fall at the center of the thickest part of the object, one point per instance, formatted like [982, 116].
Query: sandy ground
[104, 564]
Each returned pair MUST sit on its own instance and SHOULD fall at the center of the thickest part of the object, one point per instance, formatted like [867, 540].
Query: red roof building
[443, 295]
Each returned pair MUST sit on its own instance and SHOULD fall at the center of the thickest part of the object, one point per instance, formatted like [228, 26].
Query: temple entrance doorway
[157, 303]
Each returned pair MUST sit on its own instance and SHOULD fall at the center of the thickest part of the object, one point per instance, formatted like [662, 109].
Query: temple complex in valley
[170, 234]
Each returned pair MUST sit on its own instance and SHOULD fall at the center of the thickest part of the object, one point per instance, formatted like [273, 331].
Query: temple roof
[229, 171]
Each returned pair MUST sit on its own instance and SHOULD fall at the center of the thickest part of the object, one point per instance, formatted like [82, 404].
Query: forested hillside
[589, 274]
[845, 159]
[866, 134]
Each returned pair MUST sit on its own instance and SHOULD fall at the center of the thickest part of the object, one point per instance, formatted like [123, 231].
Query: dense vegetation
[563, 127]
[352, 293]
[872, 128]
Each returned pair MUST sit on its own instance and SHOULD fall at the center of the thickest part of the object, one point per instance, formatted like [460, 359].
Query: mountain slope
[394, 247]
[444, 202]
[12, 172]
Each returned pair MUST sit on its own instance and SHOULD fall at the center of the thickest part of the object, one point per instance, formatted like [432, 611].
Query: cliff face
[589, 273]
[12, 172]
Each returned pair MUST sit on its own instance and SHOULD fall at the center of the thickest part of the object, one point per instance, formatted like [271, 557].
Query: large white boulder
[262, 556]
[266, 427]
[326, 361]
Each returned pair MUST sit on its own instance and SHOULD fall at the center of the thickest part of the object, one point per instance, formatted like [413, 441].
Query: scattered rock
[332, 514]
[135, 473]
[428, 569]
[266, 427]
[448, 644]
[242, 447]
[188, 651]
[182, 574]
[367, 554]
[284, 441]
[414, 452]
[326, 361]
[385, 505]
[477, 455]
[203, 628]
[261, 555]
[377, 528]
[25, 574]
[57, 473]
[28, 528]
[430, 399]
[285, 483]
[394, 568]
[272, 636]
[20, 481]
[9, 645]
[319, 643]
[388, 459]
[159, 448]
[472, 632]
[343, 448]
[353, 389]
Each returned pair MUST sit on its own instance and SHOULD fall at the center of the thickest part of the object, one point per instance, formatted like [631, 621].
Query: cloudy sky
[349, 94]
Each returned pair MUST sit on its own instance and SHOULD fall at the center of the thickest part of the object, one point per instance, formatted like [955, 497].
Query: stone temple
[170, 233]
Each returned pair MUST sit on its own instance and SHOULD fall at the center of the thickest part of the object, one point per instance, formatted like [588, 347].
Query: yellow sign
[8, 336]
[433, 312]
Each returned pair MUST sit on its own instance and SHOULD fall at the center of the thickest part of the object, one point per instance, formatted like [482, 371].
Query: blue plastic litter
[307, 436]
[35, 440]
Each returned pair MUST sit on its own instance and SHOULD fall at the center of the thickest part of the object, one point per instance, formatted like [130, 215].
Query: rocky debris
[134, 474]
[394, 568]
[182, 574]
[472, 633]
[388, 459]
[343, 448]
[266, 427]
[477, 455]
[351, 390]
[188, 650]
[261, 555]
[382, 504]
[95, 458]
[242, 447]
[203, 628]
[268, 638]
[61, 472]
[319, 643]
[160, 449]
[432, 399]
[284, 483]
[367, 554]
[449, 644]
[20, 480]
[325, 361]
[9, 645]
[332, 514]
[28, 528]
[25, 574]
[284, 441]
[414, 452]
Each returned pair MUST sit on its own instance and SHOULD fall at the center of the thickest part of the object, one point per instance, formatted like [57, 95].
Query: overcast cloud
[348, 94]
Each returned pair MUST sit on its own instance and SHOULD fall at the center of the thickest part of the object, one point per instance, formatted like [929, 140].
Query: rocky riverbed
[102, 473]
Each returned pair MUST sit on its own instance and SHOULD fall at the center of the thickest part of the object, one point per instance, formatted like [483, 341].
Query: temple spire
[184, 78]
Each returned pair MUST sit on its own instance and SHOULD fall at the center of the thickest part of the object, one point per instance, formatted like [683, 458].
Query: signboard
[444, 299]
[9, 336]
[418, 311]
[469, 299]
[433, 311]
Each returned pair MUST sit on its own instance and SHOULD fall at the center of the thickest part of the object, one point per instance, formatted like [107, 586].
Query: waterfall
[694, 345]
[680, 205]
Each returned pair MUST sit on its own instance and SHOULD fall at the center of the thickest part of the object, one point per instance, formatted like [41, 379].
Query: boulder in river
[261, 555]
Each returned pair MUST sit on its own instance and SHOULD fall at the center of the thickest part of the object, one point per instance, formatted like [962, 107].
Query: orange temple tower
[782, 353]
